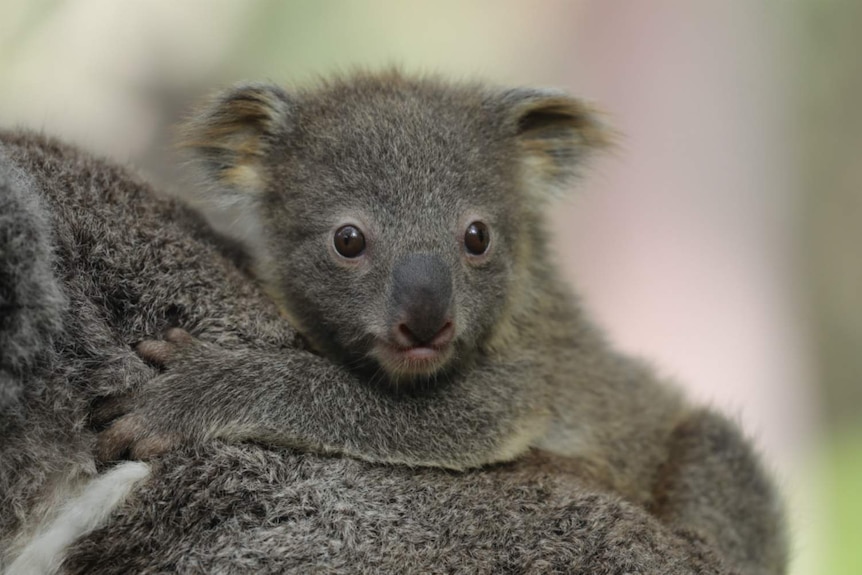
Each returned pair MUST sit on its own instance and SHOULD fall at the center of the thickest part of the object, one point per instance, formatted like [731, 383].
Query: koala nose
[422, 300]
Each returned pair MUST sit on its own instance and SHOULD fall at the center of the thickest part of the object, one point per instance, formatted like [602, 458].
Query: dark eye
[349, 241]
[476, 238]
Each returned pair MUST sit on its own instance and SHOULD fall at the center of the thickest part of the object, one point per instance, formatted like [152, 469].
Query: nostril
[445, 334]
[404, 336]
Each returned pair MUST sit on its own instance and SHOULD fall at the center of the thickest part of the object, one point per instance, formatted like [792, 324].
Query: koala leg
[714, 484]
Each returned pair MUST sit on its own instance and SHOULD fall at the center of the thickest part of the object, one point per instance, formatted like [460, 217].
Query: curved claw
[128, 437]
[162, 352]
[108, 409]
[179, 336]
[117, 440]
[156, 352]
[152, 446]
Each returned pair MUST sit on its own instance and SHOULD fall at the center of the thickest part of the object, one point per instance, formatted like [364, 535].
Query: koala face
[393, 217]
[390, 219]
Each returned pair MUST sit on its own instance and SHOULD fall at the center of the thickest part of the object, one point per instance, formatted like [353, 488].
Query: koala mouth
[416, 360]
[405, 355]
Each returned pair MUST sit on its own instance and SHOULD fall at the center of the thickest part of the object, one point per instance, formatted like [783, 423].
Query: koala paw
[128, 422]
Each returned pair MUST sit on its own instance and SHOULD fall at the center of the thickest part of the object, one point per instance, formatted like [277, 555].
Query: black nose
[422, 299]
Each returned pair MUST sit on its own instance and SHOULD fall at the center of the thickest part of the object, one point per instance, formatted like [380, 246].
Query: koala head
[393, 218]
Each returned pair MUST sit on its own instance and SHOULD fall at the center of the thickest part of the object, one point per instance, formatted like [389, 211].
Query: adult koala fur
[131, 264]
[31, 301]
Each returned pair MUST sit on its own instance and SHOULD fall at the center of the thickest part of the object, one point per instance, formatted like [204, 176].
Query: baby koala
[399, 224]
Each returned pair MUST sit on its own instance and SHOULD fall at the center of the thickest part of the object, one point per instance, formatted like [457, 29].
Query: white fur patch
[86, 512]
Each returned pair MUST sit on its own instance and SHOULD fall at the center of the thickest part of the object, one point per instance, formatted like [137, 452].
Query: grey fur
[223, 509]
[530, 369]
[31, 303]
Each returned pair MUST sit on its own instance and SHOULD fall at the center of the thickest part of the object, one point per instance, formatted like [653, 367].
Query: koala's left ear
[229, 140]
[230, 136]
[557, 134]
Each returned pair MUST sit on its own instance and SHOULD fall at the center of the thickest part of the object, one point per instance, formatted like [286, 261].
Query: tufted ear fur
[228, 140]
[231, 134]
[557, 134]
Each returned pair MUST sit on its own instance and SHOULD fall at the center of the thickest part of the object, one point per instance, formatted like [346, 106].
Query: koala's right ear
[231, 135]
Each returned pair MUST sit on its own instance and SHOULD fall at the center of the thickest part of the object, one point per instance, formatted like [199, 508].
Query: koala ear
[230, 136]
[228, 141]
[557, 134]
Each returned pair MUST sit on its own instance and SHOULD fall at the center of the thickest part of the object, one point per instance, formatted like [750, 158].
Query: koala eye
[476, 238]
[349, 241]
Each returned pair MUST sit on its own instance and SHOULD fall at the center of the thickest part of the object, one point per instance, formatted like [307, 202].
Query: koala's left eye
[476, 238]
[349, 241]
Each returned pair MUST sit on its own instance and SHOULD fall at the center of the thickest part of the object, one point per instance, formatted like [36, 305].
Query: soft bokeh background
[721, 239]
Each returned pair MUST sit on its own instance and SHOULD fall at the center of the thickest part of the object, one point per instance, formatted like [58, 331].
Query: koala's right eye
[349, 241]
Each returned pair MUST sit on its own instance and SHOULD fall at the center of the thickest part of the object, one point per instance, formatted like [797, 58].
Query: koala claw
[162, 352]
[129, 438]
[106, 410]
[179, 336]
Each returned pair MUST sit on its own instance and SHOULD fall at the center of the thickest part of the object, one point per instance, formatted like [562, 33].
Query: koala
[95, 260]
[398, 223]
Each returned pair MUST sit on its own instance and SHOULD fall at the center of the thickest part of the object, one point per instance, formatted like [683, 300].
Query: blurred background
[722, 239]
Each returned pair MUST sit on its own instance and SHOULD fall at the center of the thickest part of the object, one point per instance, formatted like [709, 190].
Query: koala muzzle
[422, 301]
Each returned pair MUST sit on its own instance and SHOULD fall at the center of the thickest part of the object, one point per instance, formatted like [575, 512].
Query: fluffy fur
[79, 516]
[31, 302]
[248, 510]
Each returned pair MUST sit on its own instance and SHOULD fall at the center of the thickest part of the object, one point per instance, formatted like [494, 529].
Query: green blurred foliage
[829, 138]
[841, 471]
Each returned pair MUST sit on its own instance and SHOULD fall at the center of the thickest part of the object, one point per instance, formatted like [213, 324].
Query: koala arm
[298, 399]
[714, 484]
[711, 483]
[690, 466]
